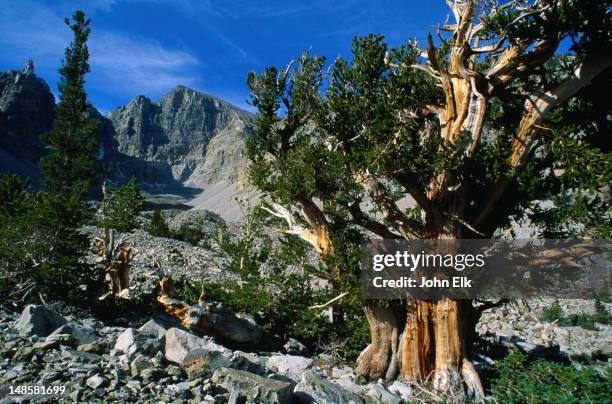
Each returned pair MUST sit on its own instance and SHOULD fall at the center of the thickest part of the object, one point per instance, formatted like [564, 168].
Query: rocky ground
[152, 359]
[159, 362]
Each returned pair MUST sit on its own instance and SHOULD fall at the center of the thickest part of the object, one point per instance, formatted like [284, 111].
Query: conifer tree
[70, 164]
[477, 129]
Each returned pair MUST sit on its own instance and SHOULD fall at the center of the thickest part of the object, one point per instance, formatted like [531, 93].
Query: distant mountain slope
[27, 109]
[187, 143]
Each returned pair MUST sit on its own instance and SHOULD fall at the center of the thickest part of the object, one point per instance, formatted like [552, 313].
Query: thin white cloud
[120, 64]
[129, 65]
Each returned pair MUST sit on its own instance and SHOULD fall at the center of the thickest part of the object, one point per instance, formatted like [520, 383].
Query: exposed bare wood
[115, 259]
[324, 305]
[378, 360]
[536, 108]
[203, 318]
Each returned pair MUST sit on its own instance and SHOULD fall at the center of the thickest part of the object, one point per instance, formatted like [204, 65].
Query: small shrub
[276, 289]
[519, 381]
[552, 313]
[41, 247]
[586, 321]
[190, 233]
[158, 226]
[121, 207]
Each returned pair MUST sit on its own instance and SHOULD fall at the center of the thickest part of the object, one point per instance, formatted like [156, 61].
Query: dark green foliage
[190, 233]
[276, 288]
[158, 226]
[40, 245]
[586, 321]
[519, 381]
[552, 313]
[121, 207]
[69, 167]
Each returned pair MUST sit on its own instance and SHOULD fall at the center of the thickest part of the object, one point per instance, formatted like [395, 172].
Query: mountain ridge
[188, 144]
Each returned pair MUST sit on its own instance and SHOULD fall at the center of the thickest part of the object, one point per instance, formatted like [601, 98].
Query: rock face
[315, 389]
[245, 386]
[179, 343]
[171, 140]
[38, 320]
[186, 143]
[27, 109]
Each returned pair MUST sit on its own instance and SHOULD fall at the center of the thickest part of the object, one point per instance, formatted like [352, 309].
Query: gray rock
[74, 355]
[201, 363]
[126, 343]
[131, 341]
[82, 335]
[179, 343]
[139, 363]
[342, 372]
[184, 142]
[96, 381]
[45, 345]
[150, 375]
[294, 347]
[38, 320]
[401, 389]
[27, 109]
[62, 339]
[222, 323]
[315, 389]
[288, 365]
[153, 328]
[375, 394]
[97, 346]
[184, 139]
[248, 362]
[252, 388]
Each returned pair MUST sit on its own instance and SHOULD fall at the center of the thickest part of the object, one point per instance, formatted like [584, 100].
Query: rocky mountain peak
[27, 109]
[29, 67]
[187, 143]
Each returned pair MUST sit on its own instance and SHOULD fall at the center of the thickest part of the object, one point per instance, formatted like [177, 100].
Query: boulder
[152, 328]
[126, 343]
[217, 320]
[245, 386]
[97, 346]
[131, 341]
[139, 364]
[62, 339]
[249, 362]
[74, 355]
[316, 389]
[294, 347]
[82, 335]
[96, 381]
[203, 363]
[401, 389]
[38, 320]
[179, 343]
[375, 393]
[288, 365]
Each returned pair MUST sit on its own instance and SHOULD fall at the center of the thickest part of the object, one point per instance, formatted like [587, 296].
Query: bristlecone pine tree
[69, 166]
[502, 110]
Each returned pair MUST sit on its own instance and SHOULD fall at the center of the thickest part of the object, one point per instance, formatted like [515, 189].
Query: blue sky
[150, 46]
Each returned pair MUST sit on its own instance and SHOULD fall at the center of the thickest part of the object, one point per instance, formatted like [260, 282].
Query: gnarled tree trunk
[432, 346]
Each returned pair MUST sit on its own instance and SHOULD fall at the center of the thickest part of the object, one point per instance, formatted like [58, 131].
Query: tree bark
[379, 359]
[432, 346]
